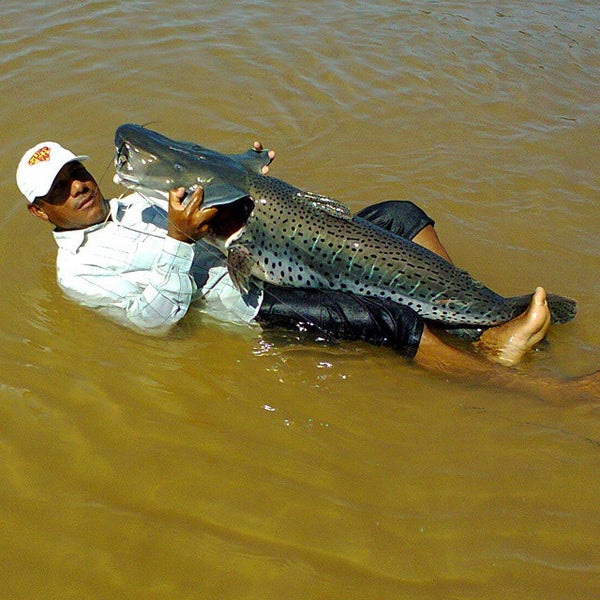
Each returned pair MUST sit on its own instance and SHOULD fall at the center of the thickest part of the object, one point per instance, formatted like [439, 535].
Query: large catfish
[290, 237]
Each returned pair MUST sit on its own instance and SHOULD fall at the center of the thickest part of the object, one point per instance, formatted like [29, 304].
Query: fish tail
[562, 309]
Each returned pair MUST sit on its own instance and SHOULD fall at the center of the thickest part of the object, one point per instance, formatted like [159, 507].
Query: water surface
[215, 463]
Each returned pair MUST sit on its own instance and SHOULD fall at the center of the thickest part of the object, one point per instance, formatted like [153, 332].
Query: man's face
[74, 200]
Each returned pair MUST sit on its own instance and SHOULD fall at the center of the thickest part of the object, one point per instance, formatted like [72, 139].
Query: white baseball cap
[39, 166]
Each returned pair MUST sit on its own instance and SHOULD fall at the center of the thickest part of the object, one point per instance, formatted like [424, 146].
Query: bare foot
[508, 343]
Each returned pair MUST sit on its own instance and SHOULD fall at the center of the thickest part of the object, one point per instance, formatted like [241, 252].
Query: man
[143, 261]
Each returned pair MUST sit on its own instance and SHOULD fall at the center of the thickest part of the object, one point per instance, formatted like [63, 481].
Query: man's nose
[78, 187]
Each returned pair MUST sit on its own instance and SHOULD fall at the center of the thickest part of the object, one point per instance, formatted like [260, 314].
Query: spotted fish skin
[298, 239]
[301, 240]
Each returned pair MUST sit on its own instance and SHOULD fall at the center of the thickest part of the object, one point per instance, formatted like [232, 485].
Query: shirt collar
[73, 239]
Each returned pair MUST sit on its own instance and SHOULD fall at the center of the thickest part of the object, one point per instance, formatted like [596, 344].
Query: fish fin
[218, 194]
[326, 204]
[239, 266]
[562, 309]
[253, 160]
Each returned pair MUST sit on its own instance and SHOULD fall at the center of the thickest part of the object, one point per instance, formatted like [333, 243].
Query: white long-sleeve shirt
[130, 269]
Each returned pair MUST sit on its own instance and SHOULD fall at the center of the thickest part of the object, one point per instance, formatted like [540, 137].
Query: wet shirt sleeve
[139, 280]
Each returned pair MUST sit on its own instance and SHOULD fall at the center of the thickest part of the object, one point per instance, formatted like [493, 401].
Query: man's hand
[191, 222]
[258, 147]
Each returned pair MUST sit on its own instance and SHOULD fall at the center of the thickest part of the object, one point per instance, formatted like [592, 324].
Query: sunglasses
[61, 186]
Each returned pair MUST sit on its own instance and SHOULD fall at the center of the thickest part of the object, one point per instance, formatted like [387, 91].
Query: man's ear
[38, 212]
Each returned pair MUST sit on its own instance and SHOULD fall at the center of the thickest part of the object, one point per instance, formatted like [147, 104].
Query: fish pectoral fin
[239, 266]
[219, 194]
[326, 204]
[253, 160]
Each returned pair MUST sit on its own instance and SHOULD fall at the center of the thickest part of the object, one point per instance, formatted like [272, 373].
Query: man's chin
[98, 215]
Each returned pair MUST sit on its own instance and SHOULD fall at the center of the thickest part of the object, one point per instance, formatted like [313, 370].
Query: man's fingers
[190, 222]
[206, 215]
[195, 200]
[258, 147]
[176, 195]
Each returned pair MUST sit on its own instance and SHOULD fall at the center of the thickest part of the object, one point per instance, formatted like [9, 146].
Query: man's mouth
[88, 200]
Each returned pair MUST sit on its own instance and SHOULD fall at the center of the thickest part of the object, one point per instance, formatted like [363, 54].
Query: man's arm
[152, 299]
[147, 293]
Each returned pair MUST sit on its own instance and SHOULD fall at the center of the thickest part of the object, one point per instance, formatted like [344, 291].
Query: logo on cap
[40, 155]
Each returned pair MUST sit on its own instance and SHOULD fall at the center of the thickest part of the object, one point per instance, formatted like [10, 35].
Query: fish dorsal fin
[326, 204]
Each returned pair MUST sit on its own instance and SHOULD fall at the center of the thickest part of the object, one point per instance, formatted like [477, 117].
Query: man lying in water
[143, 261]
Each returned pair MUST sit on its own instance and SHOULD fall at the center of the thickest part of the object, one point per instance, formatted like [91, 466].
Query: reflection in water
[219, 462]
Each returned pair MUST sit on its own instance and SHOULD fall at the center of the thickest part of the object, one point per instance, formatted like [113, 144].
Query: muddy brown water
[217, 463]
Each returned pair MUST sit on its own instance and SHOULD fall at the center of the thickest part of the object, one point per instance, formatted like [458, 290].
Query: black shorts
[402, 217]
[342, 316]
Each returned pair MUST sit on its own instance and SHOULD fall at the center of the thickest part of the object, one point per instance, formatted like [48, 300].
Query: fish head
[148, 161]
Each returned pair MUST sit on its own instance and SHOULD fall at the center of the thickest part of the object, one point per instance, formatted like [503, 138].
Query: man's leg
[380, 322]
[351, 317]
[505, 344]
[428, 238]
[439, 358]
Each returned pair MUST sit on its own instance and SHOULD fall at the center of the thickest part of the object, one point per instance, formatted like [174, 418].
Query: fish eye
[179, 167]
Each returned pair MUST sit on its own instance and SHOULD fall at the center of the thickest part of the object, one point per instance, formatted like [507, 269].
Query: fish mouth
[231, 219]
[121, 179]
[148, 162]
[121, 163]
[124, 171]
